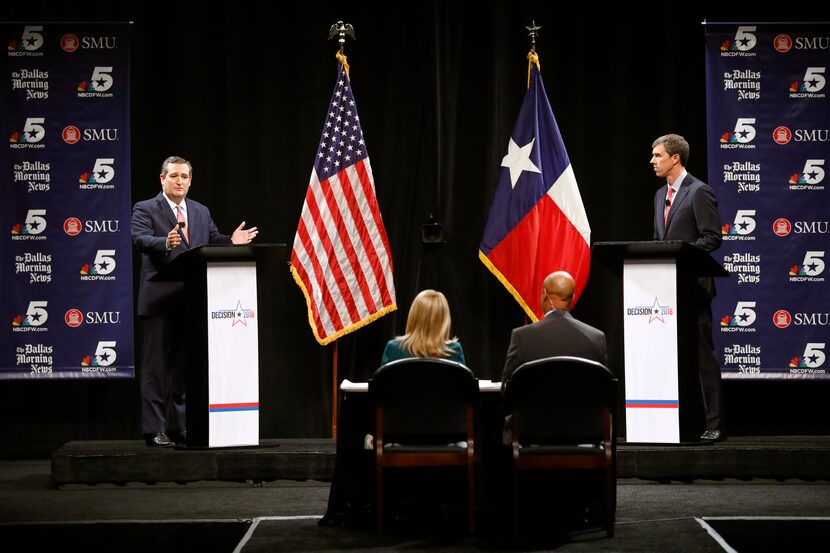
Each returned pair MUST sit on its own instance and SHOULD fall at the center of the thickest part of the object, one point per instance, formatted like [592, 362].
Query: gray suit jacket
[558, 333]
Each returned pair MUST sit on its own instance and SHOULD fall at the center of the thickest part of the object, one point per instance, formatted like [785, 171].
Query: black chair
[424, 417]
[562, 414]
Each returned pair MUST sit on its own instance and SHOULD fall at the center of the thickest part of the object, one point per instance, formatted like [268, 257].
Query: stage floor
[91, 462]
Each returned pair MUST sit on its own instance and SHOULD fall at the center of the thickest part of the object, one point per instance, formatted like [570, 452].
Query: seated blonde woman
[427, 331]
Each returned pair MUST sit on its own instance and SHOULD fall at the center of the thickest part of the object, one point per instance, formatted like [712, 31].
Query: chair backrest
[424, 400]
[561, 400]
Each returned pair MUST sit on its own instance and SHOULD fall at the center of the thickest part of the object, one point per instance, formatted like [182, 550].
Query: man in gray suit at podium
[686, 209]
[162, 228]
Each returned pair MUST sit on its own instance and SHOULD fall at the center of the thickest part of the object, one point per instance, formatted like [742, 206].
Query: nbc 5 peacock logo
[34, 319]
[28, 44]
[100, 176]
[810, 177]
[101, 268]
[810, 361]
[811, 85]
[810, 269]
[32, 228]
[741, 136]
[103, 358]
[99, 82]
[742, 227]
[34, 129]
[741, 45]
[741, 320]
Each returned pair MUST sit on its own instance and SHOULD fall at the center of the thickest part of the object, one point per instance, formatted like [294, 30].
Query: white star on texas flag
[518, 160]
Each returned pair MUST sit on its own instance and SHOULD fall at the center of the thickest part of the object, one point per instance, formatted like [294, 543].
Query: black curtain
[242, 92]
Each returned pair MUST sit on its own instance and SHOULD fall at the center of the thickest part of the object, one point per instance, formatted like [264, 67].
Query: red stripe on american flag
[319, 278]
[348, 247]
[372, 202]
[336, 263]
[331, 260]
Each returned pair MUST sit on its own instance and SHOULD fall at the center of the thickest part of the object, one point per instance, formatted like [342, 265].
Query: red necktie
[668, 205]
[180, 218]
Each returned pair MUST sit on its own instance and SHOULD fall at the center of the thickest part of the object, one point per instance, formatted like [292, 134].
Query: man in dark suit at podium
[686, 209]
[162, 228]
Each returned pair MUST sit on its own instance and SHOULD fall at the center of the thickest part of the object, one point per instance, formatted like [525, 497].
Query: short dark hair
[175, 159]
[674, 144]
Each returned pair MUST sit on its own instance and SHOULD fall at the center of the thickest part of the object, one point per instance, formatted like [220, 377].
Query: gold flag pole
[340, 30]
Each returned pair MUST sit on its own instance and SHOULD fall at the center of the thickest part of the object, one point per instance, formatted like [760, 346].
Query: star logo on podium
[239, 314]
[657, 311]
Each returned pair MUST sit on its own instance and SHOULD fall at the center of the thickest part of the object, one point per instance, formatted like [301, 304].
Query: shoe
[159, 439]
[712, 436]
[178, 437]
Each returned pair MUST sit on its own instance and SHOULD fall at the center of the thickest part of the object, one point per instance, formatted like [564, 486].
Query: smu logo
[782, 318]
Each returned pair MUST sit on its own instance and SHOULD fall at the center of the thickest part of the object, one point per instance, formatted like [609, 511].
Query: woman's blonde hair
[428, 326]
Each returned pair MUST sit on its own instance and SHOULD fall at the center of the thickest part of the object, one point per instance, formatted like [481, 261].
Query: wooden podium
[658, 282]
[220, 290]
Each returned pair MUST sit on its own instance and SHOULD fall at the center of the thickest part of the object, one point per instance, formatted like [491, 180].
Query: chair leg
[379, 500]
[516, 502]
[611, 502]
[471, 502]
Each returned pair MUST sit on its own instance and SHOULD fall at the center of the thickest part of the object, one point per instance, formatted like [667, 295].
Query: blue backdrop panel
[65, 251]
[769, 140]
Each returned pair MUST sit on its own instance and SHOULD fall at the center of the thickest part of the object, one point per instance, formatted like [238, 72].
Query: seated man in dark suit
[558, 333]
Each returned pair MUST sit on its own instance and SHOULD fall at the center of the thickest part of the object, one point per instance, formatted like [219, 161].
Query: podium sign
[652, 396]
[658, 282]
[223, 356]
[233, 355]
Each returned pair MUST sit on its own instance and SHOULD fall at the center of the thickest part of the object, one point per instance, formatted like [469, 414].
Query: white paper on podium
[233, 355]
[651, 384]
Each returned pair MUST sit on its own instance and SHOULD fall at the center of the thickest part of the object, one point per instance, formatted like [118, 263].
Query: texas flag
[537, 222]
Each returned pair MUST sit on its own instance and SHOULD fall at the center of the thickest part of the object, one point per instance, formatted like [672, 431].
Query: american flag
[537, 222]
[341, 258]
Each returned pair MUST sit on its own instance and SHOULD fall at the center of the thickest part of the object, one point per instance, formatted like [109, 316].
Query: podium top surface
[178, 268]
[614, 253]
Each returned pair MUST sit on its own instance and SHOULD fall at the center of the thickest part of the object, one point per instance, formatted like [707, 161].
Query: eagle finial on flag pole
[342, 30]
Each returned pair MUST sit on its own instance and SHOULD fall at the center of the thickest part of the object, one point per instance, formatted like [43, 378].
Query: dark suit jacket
[152, 220]
[556, 334]
[693, 218]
